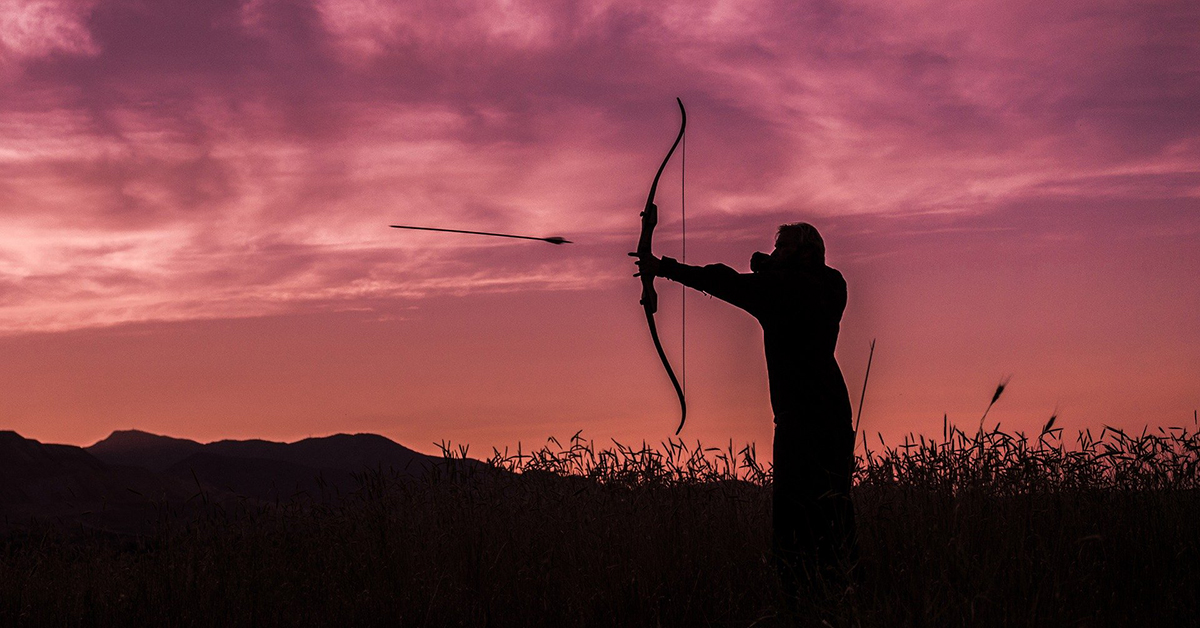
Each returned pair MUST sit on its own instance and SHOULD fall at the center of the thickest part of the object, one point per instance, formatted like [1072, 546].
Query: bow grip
[649, 295]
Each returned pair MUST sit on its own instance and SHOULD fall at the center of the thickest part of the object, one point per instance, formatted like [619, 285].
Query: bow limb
[644, 249]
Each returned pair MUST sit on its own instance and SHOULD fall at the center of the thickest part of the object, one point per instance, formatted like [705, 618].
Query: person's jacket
[800, 310]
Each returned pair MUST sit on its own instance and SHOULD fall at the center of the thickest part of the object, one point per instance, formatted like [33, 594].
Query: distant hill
[348, 453]
[136, 448]
[116, 482]
[38, 480]
[316, 468]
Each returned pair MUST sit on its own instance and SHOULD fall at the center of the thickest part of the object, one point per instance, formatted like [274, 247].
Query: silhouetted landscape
[479, 222]
[111, 484]
[984, 528]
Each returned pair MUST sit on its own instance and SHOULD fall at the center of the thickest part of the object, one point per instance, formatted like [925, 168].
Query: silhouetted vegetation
[980, 529]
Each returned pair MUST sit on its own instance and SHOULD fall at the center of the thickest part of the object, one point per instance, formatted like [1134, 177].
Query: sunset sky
[194, 200]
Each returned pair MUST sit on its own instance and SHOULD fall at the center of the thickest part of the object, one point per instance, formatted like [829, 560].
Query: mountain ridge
[50, 480]
[131, 472]
[346, 452]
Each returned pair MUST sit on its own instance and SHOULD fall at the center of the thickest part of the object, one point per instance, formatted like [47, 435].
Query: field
[978, 528]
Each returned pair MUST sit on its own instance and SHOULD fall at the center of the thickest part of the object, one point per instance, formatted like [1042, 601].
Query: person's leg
[835, 513]
[847, 531]
[785, 511]
[813, 516]
[797, 484]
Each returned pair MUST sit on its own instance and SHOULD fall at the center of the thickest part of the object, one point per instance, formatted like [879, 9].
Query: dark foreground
[990, 529]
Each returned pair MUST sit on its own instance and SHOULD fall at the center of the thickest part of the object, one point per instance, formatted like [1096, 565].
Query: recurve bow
[649, 295]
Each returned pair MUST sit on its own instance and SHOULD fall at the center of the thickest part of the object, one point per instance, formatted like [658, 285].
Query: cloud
[36, 28]
[179, 159]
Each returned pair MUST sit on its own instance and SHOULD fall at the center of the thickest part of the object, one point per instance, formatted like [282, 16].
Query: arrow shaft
[482, 233]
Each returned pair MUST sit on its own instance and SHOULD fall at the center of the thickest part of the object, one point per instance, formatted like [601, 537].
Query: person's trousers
[813, 516]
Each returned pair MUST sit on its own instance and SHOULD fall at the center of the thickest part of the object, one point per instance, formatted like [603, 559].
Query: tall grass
[989, 528]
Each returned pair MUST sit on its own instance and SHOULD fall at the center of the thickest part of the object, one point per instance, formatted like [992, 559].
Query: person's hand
[760, 262]
[647, 266]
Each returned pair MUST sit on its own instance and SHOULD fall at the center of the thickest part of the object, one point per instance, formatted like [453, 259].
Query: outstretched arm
[719, 280]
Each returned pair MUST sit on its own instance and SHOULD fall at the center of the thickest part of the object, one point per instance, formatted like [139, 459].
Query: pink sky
[194, 199]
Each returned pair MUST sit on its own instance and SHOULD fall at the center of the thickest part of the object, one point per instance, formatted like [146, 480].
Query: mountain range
[121, 478]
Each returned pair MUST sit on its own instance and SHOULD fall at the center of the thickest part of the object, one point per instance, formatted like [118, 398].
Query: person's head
[799, 243]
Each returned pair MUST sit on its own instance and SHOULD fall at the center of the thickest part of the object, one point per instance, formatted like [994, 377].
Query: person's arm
[719, 280]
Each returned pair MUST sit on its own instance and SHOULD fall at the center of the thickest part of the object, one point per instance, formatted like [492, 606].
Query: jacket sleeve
[718, 280]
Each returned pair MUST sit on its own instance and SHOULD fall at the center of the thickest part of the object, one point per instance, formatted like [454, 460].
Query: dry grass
[982, 529]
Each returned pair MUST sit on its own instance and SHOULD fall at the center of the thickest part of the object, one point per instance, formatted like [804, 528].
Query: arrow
[551, 239]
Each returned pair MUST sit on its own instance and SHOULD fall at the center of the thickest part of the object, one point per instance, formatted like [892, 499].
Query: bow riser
[649, 220]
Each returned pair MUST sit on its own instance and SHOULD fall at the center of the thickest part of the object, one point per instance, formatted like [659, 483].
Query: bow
[649, 296]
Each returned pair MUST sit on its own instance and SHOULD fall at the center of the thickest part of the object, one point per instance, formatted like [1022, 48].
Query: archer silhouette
[799, 301]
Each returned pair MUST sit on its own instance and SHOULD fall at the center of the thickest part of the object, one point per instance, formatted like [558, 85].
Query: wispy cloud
[180, 159]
